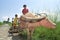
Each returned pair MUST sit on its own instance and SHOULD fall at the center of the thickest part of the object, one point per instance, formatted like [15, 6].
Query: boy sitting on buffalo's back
[25, 10]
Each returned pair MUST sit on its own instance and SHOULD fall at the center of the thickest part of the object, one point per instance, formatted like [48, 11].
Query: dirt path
[4, 32]
[4, 35]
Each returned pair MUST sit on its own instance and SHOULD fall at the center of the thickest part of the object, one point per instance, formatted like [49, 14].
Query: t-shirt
[16, 20]
[24, 11]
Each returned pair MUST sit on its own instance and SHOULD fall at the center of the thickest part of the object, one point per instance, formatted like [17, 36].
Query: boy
[15, 23]
[25, 10]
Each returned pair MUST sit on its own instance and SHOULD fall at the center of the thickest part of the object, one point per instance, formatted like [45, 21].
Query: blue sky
[8, 8]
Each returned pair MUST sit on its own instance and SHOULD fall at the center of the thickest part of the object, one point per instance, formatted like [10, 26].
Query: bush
[1, 23]
[42, 33]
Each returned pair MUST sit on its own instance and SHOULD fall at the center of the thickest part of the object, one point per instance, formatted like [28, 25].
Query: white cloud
[4, 18]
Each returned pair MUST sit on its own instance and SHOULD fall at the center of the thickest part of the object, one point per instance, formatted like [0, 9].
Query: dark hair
[16, 15]
[24, 5]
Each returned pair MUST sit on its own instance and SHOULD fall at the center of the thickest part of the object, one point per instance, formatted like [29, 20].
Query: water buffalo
[30, 26]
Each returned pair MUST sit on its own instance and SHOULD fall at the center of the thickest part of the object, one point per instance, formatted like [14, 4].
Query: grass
[42, 33]
[10, 24]
[1, 23]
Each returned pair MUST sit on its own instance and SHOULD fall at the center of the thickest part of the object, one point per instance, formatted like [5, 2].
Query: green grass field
[1, 23]
[42, 33]
[9, 23]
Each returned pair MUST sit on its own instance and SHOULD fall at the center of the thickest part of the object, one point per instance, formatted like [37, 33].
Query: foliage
[1, 23]
[42, 33]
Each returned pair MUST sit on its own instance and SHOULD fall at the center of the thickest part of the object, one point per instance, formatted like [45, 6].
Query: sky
[8, 8]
